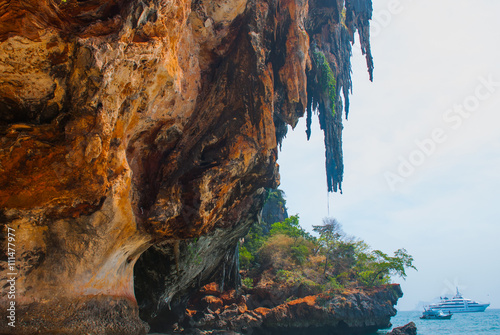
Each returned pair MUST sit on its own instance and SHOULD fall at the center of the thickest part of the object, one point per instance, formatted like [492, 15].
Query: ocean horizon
[482, 323]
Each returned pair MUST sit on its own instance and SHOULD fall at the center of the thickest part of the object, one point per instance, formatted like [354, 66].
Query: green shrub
[289, 227]
[283, 275]
[333, 284]
[300, 253]
[312, 287]
[247, 282]
[343, 278]
[290, 277]
[326, 77]
[246, 258]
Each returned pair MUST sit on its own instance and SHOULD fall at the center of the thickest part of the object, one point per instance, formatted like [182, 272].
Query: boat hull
[436, 317]
[463, 309]
[458, 304]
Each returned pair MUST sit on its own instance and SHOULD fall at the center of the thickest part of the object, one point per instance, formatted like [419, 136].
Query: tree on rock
[329, 237]
[380, 266]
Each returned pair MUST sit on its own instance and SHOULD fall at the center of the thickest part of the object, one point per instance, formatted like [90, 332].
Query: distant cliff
[128, 126]
[274, 209]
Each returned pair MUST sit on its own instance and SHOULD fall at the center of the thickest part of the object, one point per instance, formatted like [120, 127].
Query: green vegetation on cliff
[285, 254]
[326, 78]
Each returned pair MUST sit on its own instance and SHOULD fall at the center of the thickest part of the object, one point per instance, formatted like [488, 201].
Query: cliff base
[255, 311]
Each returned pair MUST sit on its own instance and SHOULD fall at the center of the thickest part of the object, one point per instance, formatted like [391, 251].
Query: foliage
[300, 253]
[260, 231]
[333, 283]
[287, 276]
[252, 242]
[275, 253]
[326, 77]
[247, 282]
[276, 195]
[289, 227]
[288, 255]
[330, 231]
[379, 267]
[246, 258]
[329, 236]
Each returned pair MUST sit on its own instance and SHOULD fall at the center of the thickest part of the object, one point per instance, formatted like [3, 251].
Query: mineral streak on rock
[126, 124]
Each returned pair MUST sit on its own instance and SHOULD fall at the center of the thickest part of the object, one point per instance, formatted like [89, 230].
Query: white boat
[458, 304]
[435, 314]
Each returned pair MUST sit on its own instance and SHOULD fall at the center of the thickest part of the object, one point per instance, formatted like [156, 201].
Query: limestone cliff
[131, 124]
[274, 209]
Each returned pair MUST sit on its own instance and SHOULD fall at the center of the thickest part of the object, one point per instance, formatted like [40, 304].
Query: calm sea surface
[485, 323]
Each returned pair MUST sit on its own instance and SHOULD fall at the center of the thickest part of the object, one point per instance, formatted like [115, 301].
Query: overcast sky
[421, 148]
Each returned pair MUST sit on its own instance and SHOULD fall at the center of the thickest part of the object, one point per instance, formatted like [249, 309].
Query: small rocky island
[289, 281]
[137, 141]
[355, 311]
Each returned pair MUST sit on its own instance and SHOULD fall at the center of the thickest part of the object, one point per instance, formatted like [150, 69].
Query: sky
[421, 149]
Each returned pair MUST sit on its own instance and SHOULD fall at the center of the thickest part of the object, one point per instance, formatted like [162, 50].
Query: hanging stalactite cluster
[331, 34]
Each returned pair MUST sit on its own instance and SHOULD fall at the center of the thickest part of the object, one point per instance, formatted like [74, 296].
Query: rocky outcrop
[354, 311]
[408, 329]
[131, 124]
[274, 209]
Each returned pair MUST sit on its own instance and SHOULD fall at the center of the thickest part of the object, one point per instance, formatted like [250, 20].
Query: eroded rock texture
[127, 124]
[408, 329]
[265, 311]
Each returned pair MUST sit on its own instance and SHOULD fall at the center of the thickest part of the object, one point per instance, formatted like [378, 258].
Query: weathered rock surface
[354, 311]
[274, 209]
[408, 329]
[128, 124]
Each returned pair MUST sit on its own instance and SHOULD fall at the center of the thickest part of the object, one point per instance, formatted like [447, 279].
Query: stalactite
[361, 13]
[334, 43]
[309, 113]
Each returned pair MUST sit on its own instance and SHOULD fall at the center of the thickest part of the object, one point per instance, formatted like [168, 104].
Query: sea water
[483, 323]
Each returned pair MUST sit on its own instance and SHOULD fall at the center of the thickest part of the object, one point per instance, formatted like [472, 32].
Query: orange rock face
[125, 124]
[352, 311]
[121, 127]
